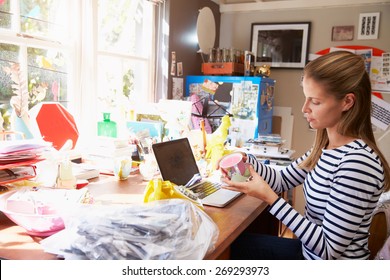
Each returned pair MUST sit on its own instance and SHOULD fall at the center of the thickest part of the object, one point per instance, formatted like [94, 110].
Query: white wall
[235, 32]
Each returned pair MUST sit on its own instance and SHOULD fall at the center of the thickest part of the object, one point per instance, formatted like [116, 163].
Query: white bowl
[34, 224]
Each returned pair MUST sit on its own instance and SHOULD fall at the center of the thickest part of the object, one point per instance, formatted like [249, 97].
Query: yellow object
[263, 71]
[122, 170]
[158, 189]
[25, 183]
[375, 71]
[215, 148]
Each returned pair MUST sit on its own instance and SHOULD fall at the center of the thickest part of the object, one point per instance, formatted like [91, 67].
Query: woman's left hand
[255, 187]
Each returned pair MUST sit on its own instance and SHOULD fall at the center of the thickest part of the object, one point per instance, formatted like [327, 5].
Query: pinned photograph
[180, 69]
[173, 63]
[173, 69]
[173, 57]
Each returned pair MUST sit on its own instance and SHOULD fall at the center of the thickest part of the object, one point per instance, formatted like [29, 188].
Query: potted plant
[22, 98]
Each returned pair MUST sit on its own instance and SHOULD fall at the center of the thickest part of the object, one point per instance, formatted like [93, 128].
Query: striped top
[341, 193]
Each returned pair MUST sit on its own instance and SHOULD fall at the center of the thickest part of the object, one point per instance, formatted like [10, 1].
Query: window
[124, 55]
[33, 53]
[92, 56]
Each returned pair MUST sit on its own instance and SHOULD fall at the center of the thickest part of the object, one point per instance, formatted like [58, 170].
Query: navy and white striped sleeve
[280, 181]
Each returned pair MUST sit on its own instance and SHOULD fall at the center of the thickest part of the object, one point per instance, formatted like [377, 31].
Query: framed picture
[281, 45]
[368, 26]
[342, 33]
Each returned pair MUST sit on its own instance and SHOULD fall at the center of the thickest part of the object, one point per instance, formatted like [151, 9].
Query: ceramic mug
[234, 166]
[122, 167]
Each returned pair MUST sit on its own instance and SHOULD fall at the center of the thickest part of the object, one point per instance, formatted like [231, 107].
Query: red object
[81, 184]
[222, 68]
[26, 172]
[56, 124]
[375, 51]
[377, 94]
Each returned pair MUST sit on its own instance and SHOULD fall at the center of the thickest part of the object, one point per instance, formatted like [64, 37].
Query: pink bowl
[35, 224]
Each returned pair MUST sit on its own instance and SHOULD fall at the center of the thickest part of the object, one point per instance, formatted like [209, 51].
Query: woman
[343, 175]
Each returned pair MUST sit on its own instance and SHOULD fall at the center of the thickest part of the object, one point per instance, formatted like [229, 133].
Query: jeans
[250, 246]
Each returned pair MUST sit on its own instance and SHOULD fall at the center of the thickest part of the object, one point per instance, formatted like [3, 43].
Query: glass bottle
[107, 127]
[218, 57]
[212, 55]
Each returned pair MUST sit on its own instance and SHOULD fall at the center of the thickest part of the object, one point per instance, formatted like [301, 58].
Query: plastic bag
[170, 229]
[158, 189]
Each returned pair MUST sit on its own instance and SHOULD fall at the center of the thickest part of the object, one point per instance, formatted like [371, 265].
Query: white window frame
[16, 37]
[82, 69]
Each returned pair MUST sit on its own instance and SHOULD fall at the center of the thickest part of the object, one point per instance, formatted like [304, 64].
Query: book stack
[270, 143]
[269, 146]
[102, 154]
[18, 159]
[83, 171]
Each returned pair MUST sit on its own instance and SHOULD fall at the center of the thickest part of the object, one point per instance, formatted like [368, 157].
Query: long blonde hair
[342, 72]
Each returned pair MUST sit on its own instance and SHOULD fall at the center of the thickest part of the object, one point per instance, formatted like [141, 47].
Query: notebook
[177, 164]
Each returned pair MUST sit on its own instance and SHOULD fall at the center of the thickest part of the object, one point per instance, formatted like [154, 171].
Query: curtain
[85, 69]
[162, 48]
[157, 2]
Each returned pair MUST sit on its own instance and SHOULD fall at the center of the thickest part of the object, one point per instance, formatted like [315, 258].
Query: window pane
[120, 83]
[8, 54]
[44, 17]
[47, 75]
[124, 26]
[5, 14]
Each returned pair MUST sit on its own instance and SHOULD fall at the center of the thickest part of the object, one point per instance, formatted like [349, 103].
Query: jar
[218, 57]
[232, 54]
[148, 168]
[225, 55]
[122, 167]
[211, 55]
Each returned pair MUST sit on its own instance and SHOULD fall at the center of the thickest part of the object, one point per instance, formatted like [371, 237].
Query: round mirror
[205, 27]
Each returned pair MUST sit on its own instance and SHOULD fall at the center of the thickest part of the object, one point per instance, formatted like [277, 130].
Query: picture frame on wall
[368, 26]
[342, 33]
[280, 45]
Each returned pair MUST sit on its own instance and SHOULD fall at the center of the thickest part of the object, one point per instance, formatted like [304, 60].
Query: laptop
[177, 164]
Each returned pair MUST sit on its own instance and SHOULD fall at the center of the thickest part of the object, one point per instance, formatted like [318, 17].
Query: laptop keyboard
[206, 188]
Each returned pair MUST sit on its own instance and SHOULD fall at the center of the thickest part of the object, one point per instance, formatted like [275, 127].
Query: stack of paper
[270, 146]
[102, 154]
[18, 158]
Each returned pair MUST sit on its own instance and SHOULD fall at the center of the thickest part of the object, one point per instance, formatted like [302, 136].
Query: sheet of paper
[380, 116]
[177, 88]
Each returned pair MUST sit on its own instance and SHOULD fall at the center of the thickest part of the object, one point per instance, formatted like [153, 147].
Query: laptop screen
[175, 160]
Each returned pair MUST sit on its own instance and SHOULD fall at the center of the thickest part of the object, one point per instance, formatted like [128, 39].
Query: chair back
[379, 229]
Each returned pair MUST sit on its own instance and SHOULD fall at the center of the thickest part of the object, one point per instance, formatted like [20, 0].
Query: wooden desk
[231, 220]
